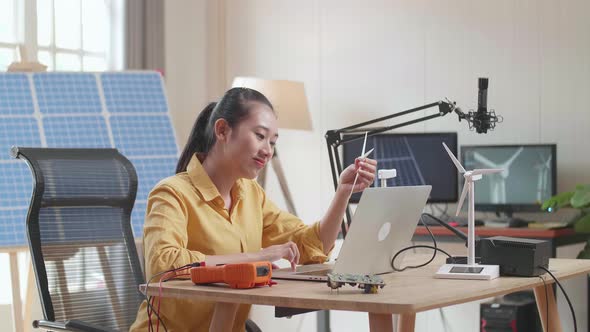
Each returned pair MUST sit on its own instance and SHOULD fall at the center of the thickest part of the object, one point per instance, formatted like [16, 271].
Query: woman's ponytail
[198, 140]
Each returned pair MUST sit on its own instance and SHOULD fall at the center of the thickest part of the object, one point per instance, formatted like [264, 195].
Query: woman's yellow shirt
[186, 220]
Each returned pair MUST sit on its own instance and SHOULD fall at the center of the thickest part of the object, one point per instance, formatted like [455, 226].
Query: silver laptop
[383, 223]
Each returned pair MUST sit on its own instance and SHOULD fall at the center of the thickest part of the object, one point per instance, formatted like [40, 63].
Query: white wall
[187, 65]
[364, 59]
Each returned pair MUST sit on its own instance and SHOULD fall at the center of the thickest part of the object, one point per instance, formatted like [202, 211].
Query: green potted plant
[577, 199]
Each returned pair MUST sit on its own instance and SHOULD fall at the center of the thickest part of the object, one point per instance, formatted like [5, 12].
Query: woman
[213, 210]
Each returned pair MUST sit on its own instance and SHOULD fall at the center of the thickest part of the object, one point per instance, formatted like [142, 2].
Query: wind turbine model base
[470, 270]
[464, 271]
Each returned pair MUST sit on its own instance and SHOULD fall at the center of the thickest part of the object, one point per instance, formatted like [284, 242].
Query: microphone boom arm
[334, 137]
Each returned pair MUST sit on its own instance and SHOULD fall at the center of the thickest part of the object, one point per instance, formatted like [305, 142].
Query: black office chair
[80, 237]
[82, 246]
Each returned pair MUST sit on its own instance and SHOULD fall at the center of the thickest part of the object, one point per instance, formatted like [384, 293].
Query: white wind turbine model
[471, 270]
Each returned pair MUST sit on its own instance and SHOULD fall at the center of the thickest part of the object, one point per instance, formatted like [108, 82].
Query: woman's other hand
[288, 251]
[365, 168]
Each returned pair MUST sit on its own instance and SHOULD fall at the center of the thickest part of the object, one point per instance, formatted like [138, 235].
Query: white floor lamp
[290, 103]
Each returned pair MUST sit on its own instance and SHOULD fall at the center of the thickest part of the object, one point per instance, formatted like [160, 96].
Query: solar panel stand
[17, 306]
[20, 313]
[29, 297]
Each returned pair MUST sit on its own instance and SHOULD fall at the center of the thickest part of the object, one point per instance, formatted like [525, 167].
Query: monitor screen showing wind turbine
[417, 157]
[529, 176]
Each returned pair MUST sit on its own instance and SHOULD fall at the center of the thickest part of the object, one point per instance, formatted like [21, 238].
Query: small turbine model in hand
[471, 270]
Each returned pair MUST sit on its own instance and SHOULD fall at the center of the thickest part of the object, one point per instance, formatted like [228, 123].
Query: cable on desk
[433, 247]
[443, 212]
[150, 299]
[566, 297]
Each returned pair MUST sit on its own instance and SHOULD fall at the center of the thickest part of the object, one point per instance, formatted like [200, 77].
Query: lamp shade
[287, 97]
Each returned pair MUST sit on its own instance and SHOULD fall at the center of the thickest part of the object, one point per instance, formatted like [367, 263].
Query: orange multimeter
[238, 275]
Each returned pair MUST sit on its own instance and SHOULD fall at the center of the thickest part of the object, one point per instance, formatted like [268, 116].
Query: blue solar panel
[60, 93]
[144, 135]
[12, 227]
[76, 132]
[16, 185]
[150, 172]
[134, 92]
[15, 95]
[17, 132]
[127, 111]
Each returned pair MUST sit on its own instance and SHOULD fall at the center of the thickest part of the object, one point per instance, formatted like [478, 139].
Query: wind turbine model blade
[463, 195]
[366, 154]
[486, 171]
[362, 156]
[455, 161]
[364, 143]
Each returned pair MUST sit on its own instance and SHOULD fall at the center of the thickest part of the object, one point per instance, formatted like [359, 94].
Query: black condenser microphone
[482, 95]
[483, 120]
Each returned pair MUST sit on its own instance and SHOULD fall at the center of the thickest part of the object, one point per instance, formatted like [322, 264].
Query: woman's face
[251, 143]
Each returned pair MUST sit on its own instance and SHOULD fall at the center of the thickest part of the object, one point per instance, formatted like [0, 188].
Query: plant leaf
[558, 201]
[582, 225]
[585, 253]
[581, 197]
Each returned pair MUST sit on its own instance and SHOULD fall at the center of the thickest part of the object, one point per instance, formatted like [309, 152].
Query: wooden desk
[406, 293]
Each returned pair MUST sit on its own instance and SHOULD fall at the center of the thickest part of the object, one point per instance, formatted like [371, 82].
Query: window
[9, 31]
[65, 35]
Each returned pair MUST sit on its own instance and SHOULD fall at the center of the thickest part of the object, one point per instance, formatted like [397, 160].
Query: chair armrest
[72, 325]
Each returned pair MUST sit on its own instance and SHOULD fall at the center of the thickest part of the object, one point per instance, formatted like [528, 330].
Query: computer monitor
[528, 180]
[419, 159]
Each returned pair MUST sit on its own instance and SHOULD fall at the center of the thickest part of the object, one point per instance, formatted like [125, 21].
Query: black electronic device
[528, 180]
[418, 159]
[513, 312]
[515, 256]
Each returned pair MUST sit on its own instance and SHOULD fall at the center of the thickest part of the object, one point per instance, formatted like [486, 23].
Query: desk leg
[542, 302]
[406, 322]
[380, 322]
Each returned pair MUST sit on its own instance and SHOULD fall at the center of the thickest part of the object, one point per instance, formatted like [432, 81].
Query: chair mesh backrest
[80, 235]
